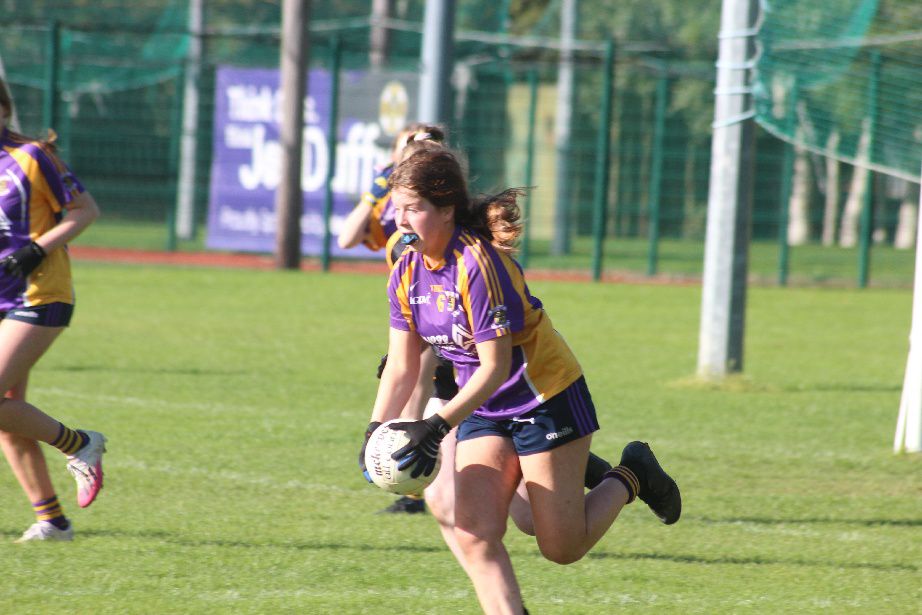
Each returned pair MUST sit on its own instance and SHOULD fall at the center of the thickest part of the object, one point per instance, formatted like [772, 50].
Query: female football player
[523, 410]
[36, 302]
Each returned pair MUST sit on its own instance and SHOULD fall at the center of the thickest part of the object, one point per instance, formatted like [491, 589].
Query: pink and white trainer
[86, 467]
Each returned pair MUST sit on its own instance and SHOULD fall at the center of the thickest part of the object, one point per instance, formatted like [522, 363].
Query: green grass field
[234, 403]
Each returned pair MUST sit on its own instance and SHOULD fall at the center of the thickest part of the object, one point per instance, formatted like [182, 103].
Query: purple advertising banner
[245, 169]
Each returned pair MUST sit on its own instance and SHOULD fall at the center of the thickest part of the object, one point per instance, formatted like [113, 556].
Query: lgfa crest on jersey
[499, 316]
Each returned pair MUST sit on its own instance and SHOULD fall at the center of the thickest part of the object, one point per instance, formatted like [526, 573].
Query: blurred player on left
[36, 303]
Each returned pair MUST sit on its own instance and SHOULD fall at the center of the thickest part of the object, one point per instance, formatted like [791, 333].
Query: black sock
[62, 523]
[596, 468]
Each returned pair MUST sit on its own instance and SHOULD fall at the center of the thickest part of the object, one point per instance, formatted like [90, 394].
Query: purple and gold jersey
[381, 224]
[477, 294]
[34, 189]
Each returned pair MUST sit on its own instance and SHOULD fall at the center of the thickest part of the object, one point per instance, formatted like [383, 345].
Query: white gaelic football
[383, 470]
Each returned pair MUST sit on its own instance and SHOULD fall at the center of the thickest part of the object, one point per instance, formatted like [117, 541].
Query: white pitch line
[134, 401]
[234, 477]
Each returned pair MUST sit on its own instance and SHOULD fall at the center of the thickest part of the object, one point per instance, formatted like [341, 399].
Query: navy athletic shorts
[567, 416]
[48, 315]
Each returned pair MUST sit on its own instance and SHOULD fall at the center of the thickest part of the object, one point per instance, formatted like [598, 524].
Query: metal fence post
[603, 158]
[332, 138]
[864, 247]
[656, 168]
[529, 162]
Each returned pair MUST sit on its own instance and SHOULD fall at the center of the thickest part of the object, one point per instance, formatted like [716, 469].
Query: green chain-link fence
[109, 79]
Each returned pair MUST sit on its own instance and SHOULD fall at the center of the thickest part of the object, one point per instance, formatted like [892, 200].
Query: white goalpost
[908, 436]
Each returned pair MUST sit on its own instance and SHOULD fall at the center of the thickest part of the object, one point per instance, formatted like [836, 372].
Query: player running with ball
[523, 409]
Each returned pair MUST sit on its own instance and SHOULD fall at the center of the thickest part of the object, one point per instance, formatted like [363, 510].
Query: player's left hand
[23, 261]
[423, 448]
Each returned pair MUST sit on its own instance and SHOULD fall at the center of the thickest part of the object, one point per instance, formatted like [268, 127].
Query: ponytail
[497, 218]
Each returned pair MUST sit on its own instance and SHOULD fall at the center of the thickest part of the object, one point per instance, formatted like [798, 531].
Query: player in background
[371, 222]
[523, 410]
[42, 207]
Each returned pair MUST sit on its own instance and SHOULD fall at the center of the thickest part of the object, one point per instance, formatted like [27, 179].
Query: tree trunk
[379, 36]
[831, 203]
[905, 236]
[799, 205]
[851, 215]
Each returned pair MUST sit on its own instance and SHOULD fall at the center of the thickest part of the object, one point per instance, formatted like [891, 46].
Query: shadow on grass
[190, 371]
[723, 560]
[817, 520]
[178, 539]
[717, 560]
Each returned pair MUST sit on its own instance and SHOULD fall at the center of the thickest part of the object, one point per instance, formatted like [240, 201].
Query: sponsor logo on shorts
[25, 314]
[518, 419]
[563, 433]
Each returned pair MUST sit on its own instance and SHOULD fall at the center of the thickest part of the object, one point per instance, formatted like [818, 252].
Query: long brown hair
[436, 175]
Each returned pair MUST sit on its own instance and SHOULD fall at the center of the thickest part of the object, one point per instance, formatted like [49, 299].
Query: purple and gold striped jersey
[477, 294]
[34, 189]
[381, 224]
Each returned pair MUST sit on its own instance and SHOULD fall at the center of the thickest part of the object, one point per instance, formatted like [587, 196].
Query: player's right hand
[23, 261]
[368, 431]
[422, 450]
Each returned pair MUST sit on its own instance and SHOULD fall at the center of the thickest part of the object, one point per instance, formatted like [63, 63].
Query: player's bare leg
[520, 510]
[568, 522]
[26, 458]
[486, 478]
[21, 346]
[440, 495]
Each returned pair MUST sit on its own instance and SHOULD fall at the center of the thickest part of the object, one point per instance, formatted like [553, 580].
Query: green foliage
[231, 481]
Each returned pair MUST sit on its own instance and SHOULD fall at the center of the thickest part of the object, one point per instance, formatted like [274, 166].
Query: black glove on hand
[423, 447]
[371, 428]
[23, 261]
